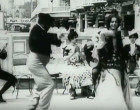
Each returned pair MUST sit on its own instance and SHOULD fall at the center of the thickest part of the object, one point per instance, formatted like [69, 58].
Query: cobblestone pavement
[59, 101]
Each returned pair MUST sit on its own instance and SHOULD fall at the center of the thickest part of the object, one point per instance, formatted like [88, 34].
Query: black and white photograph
[70, 54]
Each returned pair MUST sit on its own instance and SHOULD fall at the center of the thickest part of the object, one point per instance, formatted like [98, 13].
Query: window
[64, 2]
[19, 46]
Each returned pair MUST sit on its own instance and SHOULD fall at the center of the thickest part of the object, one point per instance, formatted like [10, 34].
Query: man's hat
[45, 18]
[133, 34]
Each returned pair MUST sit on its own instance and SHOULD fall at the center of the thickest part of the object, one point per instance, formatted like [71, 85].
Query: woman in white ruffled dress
[113, 91]
[77, 72]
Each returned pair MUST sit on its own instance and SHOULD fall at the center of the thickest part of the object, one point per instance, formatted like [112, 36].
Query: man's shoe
[2, 100]
[33, 103]
[72, 93]
[92, 95]
[137, 93]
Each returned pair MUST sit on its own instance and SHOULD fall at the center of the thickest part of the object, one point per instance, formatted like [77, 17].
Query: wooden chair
[56, 76]
[20, 70]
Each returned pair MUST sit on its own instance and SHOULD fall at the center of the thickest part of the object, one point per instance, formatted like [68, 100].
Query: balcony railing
[56, 9]
[48, 10]
[90, 2]
[79, 4]
[61, 9]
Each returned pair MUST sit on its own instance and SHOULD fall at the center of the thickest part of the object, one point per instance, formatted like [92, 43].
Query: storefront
[18, 24]
[128, 15]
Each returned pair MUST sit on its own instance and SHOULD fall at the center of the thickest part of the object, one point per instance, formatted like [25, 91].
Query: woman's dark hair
[88, 53]
[72, 34]
[109, 18]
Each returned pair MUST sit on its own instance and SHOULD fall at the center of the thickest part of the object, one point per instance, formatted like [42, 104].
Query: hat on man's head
[45, 18]
[133, 34]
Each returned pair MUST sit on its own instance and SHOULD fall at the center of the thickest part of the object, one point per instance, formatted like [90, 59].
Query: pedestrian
[40, 41]
[8, 77]
[132, 51]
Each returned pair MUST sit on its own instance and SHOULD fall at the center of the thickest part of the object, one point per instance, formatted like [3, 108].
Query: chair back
[19, 64]
[19, 59]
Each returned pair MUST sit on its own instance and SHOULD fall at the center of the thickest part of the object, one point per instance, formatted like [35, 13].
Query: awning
[127, 3]
[63, 14]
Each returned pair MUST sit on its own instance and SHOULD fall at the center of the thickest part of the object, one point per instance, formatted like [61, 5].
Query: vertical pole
[137, 14]
[86, 21]
[52, 6]
[31, 6]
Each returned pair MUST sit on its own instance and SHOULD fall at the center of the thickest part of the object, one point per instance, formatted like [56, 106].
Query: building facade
[70, 10]
[88, 14]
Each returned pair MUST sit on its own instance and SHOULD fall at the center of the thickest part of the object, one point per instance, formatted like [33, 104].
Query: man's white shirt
[132, 48]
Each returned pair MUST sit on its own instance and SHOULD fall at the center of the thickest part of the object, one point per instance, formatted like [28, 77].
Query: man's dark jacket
[126, 50]
[40, 41]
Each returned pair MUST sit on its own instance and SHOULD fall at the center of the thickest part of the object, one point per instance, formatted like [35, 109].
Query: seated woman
[78, 74]
[113, 92]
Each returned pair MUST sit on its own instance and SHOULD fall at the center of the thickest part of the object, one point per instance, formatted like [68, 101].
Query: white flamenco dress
[76, 73]
[110, 95]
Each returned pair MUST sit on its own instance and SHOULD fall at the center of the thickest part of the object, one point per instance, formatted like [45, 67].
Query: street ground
[59, 101]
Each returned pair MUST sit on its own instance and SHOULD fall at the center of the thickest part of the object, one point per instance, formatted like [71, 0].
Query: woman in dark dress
[113, 92]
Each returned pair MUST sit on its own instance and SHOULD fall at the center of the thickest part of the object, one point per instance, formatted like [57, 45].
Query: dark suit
[11, 80]
[131, 59]
[40, 41]
[127, 50]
